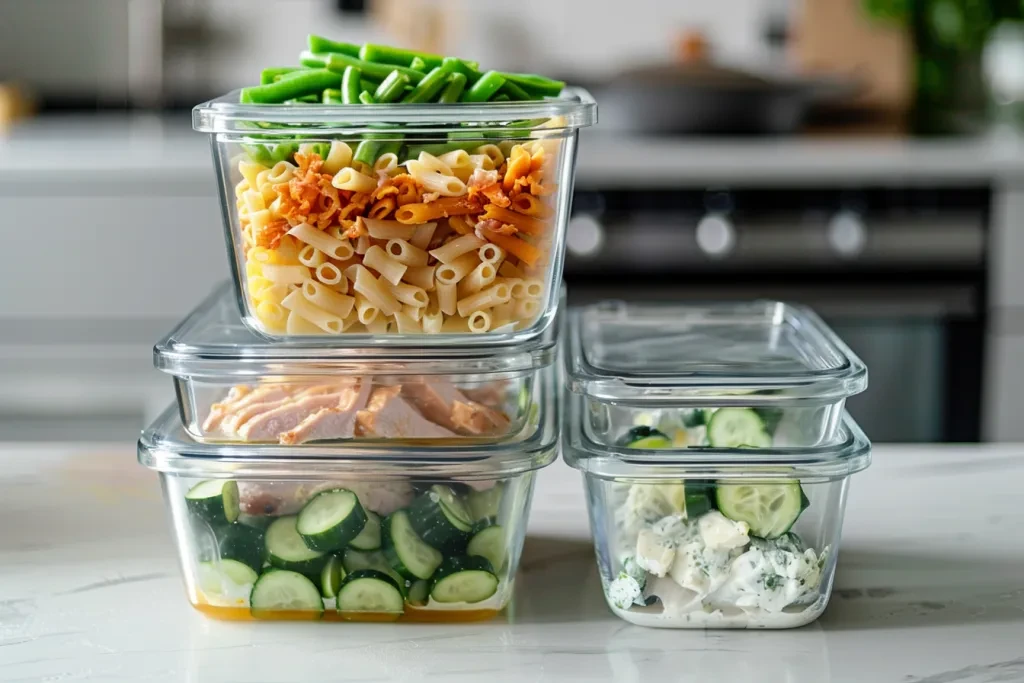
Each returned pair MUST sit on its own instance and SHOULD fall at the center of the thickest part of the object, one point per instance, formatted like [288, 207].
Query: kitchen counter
[930, 589]
[141, 149]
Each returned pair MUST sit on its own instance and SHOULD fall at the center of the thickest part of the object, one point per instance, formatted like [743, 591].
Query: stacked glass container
[360, 415]
[716, 455]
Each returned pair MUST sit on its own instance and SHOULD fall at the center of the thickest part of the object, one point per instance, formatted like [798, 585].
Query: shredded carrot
[270, 236]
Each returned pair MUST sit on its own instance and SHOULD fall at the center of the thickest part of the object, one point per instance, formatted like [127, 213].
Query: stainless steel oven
[898, 272]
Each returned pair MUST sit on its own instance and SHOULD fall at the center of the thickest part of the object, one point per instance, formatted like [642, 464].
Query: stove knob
[716, 235]
[584, 236]
[847, 234]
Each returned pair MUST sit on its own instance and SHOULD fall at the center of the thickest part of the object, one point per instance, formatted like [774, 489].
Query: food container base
[718, 620]
[411, 615]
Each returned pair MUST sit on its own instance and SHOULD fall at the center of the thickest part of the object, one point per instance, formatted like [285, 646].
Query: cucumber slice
[464, 579]
[369, 537]
[331, 577]
[769, 509]
[485, 504]
[736, 428]
[353, 560]
[215, 501]
[283, 590]
[699, 496]
[405, 550]
[242, 543]
[489, 543]
[694, 418]
[368, 590]
[331, 519]
[226, 579]
[643, 436]
[419, 593]
[285, 549]
[441, 519]
[260, 522]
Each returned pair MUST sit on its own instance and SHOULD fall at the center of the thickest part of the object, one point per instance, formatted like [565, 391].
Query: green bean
[268, 76]
[366, 98]
[367, 152]
[485, 88]
[418, 64]
[351, 85]
[313, 60]
[331, 96]
[321, 44]
[537, 86]
[501, 97]
[456, 84]
[384, 54]
[258, 153]
[392, 147]
[463, 67]
[431, 84]
[514, 92]
[305, 99]
[337, 62]
[392, 87]
[304, 83]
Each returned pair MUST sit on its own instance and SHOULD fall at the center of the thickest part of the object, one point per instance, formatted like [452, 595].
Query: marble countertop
[137, 151]
[930, 589]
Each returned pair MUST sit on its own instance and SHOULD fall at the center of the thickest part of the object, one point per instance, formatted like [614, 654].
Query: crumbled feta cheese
[654, 552]
[624, 591]
[721, 533]
[630, 567]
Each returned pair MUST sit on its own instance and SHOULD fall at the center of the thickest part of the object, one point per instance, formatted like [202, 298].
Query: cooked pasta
[330, 274]
[406, 324]
[405, 252]
[324, 297]
[456, 248]
[491, 253]
[479, 321]
[352, 180]
[447, 297]
[311, 256]
[478, 278]
[338, 157]
[422, 235]
[366, 311]
[366, 284]
[452, 273]
[487, 298]
[389, 269]
[421, 276]
[410, 294]
[388, 230]
[424, 212]
[326, 321]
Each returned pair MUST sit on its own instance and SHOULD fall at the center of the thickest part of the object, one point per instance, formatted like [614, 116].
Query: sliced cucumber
[369, 537]
[260, 522]
[331, 577]
[695, 417]
[441, 519]
[643, 436]
[489, 543]
[354, 560]
[215, 501]
[464, 579]
[285, 548]
[769, 509]
[405, 550]
[242, 543]
[700, 497]
[331, 520]
[485, 504]
[282, 590]
[736, 428]
[368, 590]
[225, 579]
[419, 593]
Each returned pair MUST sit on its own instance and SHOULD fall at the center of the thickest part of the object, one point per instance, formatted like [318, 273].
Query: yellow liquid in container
[411, 615]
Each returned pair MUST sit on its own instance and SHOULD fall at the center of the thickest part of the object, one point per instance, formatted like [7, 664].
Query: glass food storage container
[362, 533]
[729, 375]
[716, 538]
[397, 223]
[236, 386]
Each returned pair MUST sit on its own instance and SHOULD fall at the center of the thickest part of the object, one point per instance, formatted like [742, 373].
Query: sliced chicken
[473, 418]
[269, 425]
[223, 408]
[336, 422]
[389, 416]
[434, 398]
[233, 422]
[491, 394]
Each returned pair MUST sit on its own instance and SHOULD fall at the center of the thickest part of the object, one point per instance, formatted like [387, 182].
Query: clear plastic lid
[849, 452]
[166, 447]
[213, 342]
[762, 352]
[573, 109]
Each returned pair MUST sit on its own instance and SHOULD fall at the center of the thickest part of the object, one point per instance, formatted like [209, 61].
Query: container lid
[762, 352]
[572, 109]
[849, 452]
[166, 447]
[213, 342]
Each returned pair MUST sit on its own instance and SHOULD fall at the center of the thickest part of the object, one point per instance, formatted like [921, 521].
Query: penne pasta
[350, 179]
[529, 205]
[522, 250]
[362, 244]
[414, 312]
[386, 163]
[429, 162]
[281, 172]
[452, 273]
[382, 207]
[253, 268]
[528, 225]
[420, 276]
[441, 208]
[366, 312]
[534, 288]
[366, 284]
[271, 315]
[432, 322]
[324, 320]
[378, 326]
[478, 278]
[410, 294]
[311, 256]
[288, 250]
[494, 152]
[422, 235]
[253, 201]
[250, 171]
[509, 270]
[460, 225]
[455, 325]
[463, 244]
[388, 230]
[481, 161]
[492, 253]
[321, 296]
[256, 285]
[330, 274]
[406, 324]
[447, 298]
[406, 253]
[444, 184]
[505, 311]
[389, 269]
[526, 309]
[287, 275]
[479, 321]
[296, 324]
[331, 245]
[487, 298]
[339, 156]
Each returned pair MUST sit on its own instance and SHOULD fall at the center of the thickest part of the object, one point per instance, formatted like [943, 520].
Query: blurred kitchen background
[861, 156]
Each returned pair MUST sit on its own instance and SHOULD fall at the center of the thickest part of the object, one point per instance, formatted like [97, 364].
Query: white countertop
[142, 149]
[930, 589]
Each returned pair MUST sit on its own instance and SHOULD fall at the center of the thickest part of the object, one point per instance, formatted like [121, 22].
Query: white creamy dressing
[654, 617]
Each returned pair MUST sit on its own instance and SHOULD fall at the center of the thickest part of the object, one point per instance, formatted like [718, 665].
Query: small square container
[703, 537]
[234, 385]
[728, 375]
[363, 533]
[397, 224]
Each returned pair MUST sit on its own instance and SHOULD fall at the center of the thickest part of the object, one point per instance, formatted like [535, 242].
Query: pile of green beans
[333, 72]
